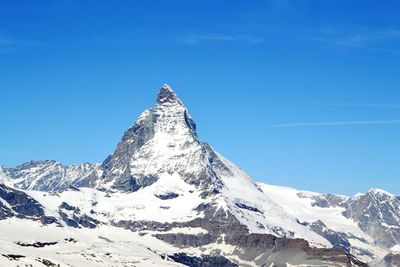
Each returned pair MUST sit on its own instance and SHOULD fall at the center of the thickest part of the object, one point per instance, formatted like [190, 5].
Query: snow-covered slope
[50, 175]
[177, 196]
[92, 219]
[4, 179]
[27, 243]
[326, 215]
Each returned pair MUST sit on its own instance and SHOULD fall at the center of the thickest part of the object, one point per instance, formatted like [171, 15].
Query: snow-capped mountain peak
[162, 148]
[165, 185]
[170, 115]
[377, 191]
[166, 94]
[163, 140]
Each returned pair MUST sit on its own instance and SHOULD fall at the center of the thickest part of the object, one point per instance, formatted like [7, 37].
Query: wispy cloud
[355, 36]
[192, 39]
[361, 105]
[335, 123]
[8, 44]
[10, 41]
[138, 36]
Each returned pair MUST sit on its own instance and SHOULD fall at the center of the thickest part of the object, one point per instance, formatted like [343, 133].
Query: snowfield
[102, 246]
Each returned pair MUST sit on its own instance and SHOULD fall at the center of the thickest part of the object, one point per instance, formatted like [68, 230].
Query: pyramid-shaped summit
[162, 140]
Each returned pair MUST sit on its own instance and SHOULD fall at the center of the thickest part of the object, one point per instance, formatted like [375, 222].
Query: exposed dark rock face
[5, 212]
[14, 257]
[47, 263]
[49, 220]
[68, 221]
[36, 244]
[335, 238]
[247, 207]
[170, 195]
[86, 221]
[378, 214]
[20, 203]
[328, 200]
[190, 123]
[70, 239]
[166, 94]
[73, 217]
[392, 260]
[263, 249]
[134, 138]
[73, 188]
[206, 177]
[203, 261]
[66, 206]
[187, 240]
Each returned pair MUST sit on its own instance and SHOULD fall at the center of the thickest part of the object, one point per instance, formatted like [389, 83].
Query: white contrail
[335, 123]
[362, 105]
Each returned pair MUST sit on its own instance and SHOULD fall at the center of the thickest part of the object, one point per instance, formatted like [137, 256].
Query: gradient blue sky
[303, 93]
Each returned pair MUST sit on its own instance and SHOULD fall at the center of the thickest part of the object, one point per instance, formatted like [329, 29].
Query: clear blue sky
[303, 93]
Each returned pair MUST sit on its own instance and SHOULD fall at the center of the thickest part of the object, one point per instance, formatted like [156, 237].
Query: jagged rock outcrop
[201, 261]
[378, 214]
[15, 203]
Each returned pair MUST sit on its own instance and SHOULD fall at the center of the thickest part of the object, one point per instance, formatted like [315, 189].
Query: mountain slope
[163, 144]
[328, 216]
[49, 175]
[163, 185]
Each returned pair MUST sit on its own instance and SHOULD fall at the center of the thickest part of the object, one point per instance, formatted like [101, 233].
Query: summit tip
[166, 94]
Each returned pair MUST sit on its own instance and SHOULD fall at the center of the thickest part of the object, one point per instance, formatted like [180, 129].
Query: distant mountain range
[165, 198]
